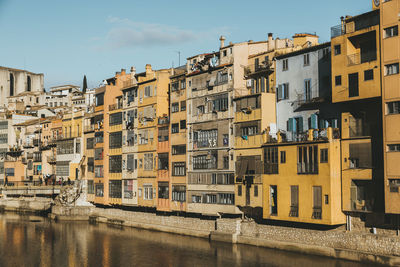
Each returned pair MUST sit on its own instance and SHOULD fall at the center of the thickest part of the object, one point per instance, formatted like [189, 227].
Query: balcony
[115, 106]
[27, 145]
[163, 147]
[317, 213]
[36, 142]
[129, 83]
[271, 168]
[211, 116]
[360, 22]
[163, 174]
[264, 67]
[360, 58]
[89, 128]
[248, 114]
[361, 205]
[294, 211]
[309, 101]
[248, 141]
[51, 159]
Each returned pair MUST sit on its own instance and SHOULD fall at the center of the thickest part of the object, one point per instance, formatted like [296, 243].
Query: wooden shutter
[279, 93]
[314, 121]
[286, 92]
[294, 189]
[317, 196]
[290, 124]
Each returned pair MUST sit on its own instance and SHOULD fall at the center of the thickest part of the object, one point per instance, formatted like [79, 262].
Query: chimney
[133, 71]
[222, 40]
[148, 68]
[270, 37]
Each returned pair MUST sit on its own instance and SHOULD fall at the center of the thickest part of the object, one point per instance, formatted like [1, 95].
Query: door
[353, 84]
[273, 200]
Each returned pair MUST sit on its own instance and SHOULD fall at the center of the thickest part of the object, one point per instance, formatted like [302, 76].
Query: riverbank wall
[355, 246]
[29, 204]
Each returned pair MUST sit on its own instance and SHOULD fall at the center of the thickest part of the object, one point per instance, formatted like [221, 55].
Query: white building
[303, 91]
[16, 81]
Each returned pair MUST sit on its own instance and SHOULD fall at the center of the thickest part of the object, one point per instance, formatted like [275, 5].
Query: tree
[84, 87]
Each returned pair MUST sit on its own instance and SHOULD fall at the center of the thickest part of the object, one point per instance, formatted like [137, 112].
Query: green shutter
[291, 123]
[314, 121]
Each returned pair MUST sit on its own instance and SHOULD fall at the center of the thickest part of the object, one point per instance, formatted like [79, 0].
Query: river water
[37, 241]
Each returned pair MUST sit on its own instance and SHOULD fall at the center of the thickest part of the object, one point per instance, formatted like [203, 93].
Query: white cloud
[126, 33]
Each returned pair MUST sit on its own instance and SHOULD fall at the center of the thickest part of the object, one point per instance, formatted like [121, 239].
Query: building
[177, 158]
[16, 81]
[390, 103]
[152, 104]
[356, 86]
[130, 139]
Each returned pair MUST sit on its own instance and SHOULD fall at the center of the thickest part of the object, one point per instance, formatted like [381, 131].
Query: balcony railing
[317, 213]
[338, 30]
[89, 128]
[360, 58]
[51, 159]
[361, 205]
[294, 211]
[115, 106]
[271, 168]
[262, 67]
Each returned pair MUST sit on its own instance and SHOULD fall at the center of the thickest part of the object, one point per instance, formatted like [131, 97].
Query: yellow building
[390, 47]
[356, 88]
[177, 145]
[301, 180]
[254, 114]
[69, 150]
[153, 103]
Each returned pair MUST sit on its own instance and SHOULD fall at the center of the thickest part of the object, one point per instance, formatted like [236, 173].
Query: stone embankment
[29, 204]
[355, 246]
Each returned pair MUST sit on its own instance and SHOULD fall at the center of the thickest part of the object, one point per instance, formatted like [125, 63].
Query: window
[90, 187]
[256, 190]
[224, 53]
[205, 138]
[116, 119]
[99, 190]
[394, 148]
[90, 164]
[285, 64]
[394, 185]
[200, 110]
[98, 154]
[338, 80]
[294, 201]
[115, 189]
[182, 124]
[283, 91]
[128, 189]
[205, 162]
[393, 107]
[9, 171]
[179, 193]
[338, 50]
[307, 89]
[306, 59]
[225, 139]
[324, 155]
[115, 164]
[148, 161]
[317, 202]
[163, 134]
[273, 199]
[226, 162]
[226, 199]
[175, 128]
[239, 190]
[283, 156]
[391, 69]
[307, 160]
[249, 130]
[148, 91]
[98, 171]
[326, 199]
[220, 103]
[148, 192]
[163, 190]
[174, 107]
[368, 75]
[183, 84]
[179, 150]
[174, 86]
[183, 105]
[390, 32]
[115, 140]
[179, 168]
[90, 143]
[353, 84]
[271, 160]
[211, 199]
[130, 162]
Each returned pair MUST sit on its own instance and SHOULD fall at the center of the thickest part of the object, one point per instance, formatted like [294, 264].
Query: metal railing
[115, 106]
[359, 58]
[317, 213]
[338, 30]
[262, 67]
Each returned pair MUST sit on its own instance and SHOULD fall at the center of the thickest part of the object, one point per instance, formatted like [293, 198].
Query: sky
[66, 40]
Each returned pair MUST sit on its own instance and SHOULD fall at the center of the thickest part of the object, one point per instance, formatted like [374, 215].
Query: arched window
[11, 84]
[28, 83]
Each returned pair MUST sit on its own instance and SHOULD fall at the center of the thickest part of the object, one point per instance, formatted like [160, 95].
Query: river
[37, 241]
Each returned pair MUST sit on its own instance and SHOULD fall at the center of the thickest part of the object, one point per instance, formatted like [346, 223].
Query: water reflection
[35, 241]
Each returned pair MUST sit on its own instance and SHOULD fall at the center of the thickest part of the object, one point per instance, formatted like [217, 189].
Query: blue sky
[67, 39]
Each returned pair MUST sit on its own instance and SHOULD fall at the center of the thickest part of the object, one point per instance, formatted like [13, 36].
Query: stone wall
[365, 242]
